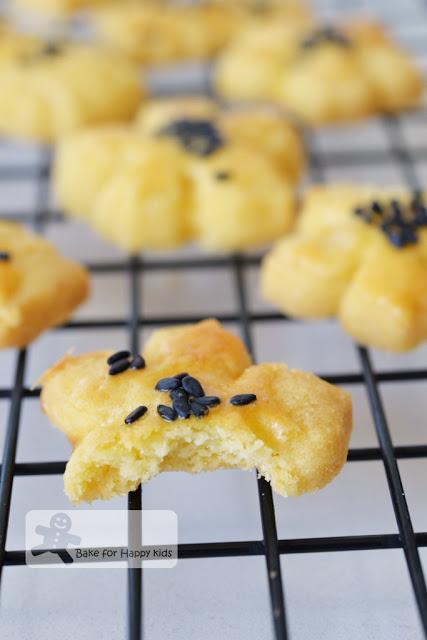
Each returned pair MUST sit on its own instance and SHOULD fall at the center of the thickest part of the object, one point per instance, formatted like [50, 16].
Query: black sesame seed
[376, 207]
[180, 376]
[119, 355]
[396, 238]
[178, 394]
[136, 414]
[137, 363]
[4, 256]
[182, 407]
[421, 217]
[409, 235]
[197, 409]
[223, 175]
[193, 386]
[209, 401]
[396, 209]
[51, 49]
[119, 367]
[362, 213]
[199, 137]
[242, 399]
[167, 384]
[325, 34]
[167, 413]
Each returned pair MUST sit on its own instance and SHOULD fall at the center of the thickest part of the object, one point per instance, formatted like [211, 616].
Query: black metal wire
[268, 517]
[135, 630]
[13, 422]
[403, 159]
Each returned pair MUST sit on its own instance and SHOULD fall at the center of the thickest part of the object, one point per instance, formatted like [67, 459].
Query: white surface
[331, 596]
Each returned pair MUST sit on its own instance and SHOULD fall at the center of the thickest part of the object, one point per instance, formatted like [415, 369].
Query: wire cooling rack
[405, 157]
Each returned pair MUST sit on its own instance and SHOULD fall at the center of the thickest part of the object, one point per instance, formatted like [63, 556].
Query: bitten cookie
[184, 171]
[358, 253]
[153, 32]
[325, 75]
[38, 287]
[56, 88]
[193, 403]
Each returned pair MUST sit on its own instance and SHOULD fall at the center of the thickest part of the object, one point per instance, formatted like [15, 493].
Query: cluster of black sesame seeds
[4, 256]
[188, 398]
[49, 49]
[325, 34]
[198, 137]
[223, 175]
[259, 6]
[185, 392]
[122, 361]
[399, 222]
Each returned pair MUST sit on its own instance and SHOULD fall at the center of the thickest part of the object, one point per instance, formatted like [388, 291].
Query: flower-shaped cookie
[193, 403]
[154, 32]
[56, 88]
[38, 287]
[15, 45]
[157, 33]
[360, 254]
[184, 171]
[54, 8]
[324, 75]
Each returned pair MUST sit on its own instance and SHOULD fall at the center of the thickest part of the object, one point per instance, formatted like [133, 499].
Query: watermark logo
[56, 538]
[97, 538]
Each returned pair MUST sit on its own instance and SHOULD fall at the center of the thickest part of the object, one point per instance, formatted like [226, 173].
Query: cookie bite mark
[221, 413]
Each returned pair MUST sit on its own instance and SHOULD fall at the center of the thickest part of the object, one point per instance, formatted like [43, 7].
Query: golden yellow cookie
[263, 127]
[164, 32]
[225, 180]
[55, 7]
[358, 253]
[58, 88]
[38, 287]
[324, 75]
[15, 45]
[295, 431]
[154, 32]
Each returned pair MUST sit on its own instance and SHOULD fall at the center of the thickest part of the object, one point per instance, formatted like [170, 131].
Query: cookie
[157, 33]
[54, 7]
[38, 287]
[325, 75]
[172, 178]
[358, 253]
[57, 88]
[263, 127]
[128, 424]
[15, 45]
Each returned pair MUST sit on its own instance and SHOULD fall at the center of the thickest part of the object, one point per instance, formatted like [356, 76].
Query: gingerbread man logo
[56, 538]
